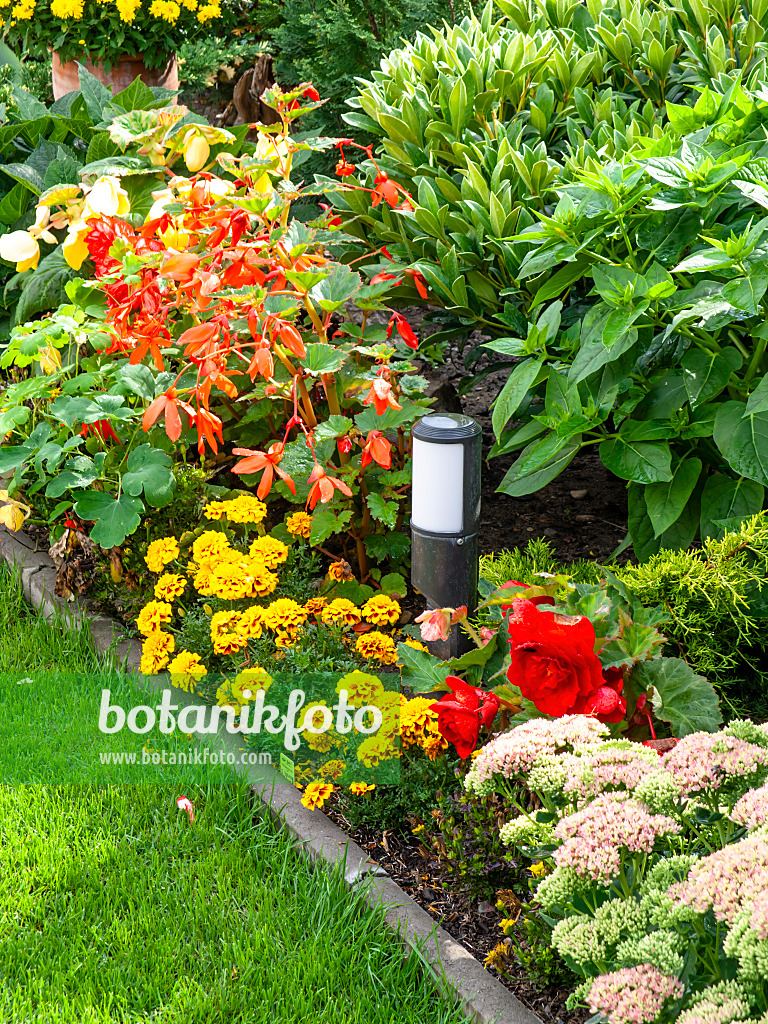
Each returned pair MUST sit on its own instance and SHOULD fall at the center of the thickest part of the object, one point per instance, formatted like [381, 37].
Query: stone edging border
[483, 998]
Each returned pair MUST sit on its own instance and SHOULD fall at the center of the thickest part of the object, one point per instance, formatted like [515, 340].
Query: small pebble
[579, 494]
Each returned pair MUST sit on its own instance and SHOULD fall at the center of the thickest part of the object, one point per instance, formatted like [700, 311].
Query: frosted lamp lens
[438, 487]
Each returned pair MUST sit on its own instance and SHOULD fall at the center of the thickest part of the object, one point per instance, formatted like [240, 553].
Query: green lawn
[115, 908]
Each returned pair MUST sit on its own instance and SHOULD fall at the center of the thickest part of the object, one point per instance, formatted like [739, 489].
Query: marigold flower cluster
[419, 727]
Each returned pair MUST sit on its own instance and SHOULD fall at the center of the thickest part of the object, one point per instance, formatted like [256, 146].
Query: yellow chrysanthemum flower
[156, 651]
[381, 610]
[67, 9]
[376, 646]
[299, 524]
[161, 552]
[270, 550]
[341, 611]
[186, 669]
[166, 10]
[152, 616]
[170, 586]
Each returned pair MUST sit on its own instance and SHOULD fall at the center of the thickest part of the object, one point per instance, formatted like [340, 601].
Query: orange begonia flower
[323, 487]
[256, 461]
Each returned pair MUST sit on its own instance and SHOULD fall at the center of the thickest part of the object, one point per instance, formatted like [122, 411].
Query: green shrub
[333, 42]
[589, 183]
[715, 598]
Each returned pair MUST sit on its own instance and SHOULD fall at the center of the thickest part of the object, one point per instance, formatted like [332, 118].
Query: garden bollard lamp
[445, 516]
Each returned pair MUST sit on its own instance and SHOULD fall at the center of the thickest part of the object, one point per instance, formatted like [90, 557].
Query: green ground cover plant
[588, 188]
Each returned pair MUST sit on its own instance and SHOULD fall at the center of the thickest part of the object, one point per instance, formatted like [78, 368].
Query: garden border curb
[483, 998]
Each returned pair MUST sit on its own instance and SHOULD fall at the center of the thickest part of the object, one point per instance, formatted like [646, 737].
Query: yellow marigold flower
[246, 508]
[215, 509]
[333, 769]
[252, 621]
[377, 646]
[321, 741]
[270, 550]
[299, 524]
[284, 614]
[185, 669]
[416, 720]
[360, 788]
[341, 611]
[153, 615]
[284, 638]
[161, 552]
[340, 571]
[170, 586]
[264, 582]
[157, 649]
[167, 10]
[252, 679]
[434, 744]
[232, 579]
[410, 642]
[316, 794]
[376, 748]
[497, 958]
[226, 634]
[209, 546]
[191, 5]
[381, 610]
[361, 688]
[23, 12]
[315, 605]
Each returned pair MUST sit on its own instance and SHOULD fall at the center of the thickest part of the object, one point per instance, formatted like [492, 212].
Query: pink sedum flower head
[596, 836]
[633, 995]
[707, 761]
[727, 881]
[751, 810]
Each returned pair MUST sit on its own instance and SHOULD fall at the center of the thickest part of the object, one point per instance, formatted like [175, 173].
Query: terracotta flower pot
[124, 71]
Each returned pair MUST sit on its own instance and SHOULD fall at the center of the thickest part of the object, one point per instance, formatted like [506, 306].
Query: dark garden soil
[472, 922]
[582, 513]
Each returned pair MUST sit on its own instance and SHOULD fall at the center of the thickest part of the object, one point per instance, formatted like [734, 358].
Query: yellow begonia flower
[74, 249]
[40, 228]
[106, 198]
[21, 248]
[162, 199]
[13, 513]
[270, 146]
[49, 359]
[196, 150]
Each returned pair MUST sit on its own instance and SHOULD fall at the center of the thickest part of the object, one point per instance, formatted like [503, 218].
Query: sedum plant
[588, 186]
[653, 869]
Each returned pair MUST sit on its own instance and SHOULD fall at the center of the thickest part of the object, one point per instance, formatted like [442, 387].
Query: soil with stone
[425, 877]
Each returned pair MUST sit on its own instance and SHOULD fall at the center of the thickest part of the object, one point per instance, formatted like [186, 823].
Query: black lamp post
[445, 516]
